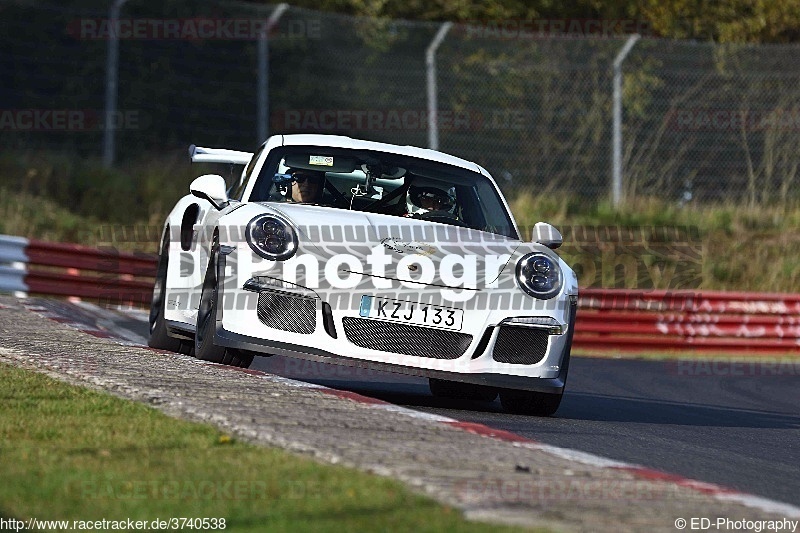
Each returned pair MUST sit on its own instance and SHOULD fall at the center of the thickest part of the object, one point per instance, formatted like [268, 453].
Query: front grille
[406, 340]
[289, 313]
[520, 345]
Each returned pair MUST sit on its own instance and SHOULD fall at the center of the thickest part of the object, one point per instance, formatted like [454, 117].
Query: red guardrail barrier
[709, 321]
[608, 319]
[109, 261]
[74, 270]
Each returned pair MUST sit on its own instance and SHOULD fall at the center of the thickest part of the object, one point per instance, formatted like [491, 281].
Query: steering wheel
[443, 217]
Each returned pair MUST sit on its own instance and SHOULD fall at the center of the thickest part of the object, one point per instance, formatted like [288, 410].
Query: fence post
[263, 73]
[616, 170]
[430, 65]
[112, 68]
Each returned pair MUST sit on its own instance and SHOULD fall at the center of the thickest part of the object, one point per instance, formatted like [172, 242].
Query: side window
[238, 190]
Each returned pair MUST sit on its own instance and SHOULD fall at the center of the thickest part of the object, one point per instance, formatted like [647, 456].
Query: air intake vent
[404, 339]
[520, 345]
[289, 313]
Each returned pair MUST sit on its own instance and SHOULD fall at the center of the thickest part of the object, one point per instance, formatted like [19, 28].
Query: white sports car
[371, 255]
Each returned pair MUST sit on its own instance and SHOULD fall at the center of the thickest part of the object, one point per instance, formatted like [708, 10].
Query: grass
[76, 454]
[41, 218]
[713, 247]
[58, 197]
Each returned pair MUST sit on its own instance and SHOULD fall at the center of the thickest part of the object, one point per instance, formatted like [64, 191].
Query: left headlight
[539, 275]
[271, 237]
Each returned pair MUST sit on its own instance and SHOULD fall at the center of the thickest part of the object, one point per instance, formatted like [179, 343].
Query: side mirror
[545, 234]
[211, 187]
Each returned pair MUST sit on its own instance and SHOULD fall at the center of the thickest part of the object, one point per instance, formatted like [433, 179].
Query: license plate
[415, 313]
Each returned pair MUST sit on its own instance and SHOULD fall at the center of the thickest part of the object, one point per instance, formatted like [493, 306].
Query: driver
[307, 185]
[422, 199]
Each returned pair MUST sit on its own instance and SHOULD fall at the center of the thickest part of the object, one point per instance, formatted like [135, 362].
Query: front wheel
[204, 347]
[159, 338]
[525, 402]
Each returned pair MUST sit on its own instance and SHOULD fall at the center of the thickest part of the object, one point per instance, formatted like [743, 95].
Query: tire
[530, 403]
[455, 390]
[159, 338]
[204, 347]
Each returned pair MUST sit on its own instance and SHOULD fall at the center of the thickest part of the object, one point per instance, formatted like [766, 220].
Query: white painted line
[715, 491]
[108, 320]
[764, 504]
[421, 415]
[578, 456]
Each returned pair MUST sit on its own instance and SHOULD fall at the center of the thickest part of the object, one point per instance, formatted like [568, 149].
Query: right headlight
[271, 237]
[539, 275]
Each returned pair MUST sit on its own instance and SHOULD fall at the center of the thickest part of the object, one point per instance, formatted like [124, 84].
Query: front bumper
[328, 343]
[548, 385]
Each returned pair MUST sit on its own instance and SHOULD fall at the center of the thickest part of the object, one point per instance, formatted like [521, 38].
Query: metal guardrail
[608, 319]
[13, 261]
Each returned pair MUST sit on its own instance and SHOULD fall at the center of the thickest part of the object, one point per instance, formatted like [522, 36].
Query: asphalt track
[731, 423]
[734, 424]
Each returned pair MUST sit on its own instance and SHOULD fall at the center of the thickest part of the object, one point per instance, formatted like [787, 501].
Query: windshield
[379, 182]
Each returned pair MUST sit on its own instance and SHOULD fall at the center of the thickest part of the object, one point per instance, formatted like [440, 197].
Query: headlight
[539, 276]
[271, 237]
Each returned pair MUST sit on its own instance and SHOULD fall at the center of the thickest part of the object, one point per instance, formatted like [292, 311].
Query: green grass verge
[73, 453]
[726, 247]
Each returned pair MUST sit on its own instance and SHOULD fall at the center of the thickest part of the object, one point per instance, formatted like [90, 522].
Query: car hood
[459, 257]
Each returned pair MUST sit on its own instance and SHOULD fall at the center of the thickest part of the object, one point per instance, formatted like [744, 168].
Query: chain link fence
[702, 122]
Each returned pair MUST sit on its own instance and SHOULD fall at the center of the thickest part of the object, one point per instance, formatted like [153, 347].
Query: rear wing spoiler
[218, 155]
